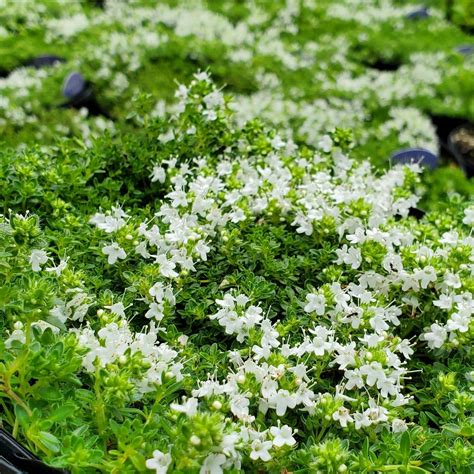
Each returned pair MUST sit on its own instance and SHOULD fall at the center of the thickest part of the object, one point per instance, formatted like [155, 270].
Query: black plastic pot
[16, 459]
[415, 155]
[419, 14]
[461, 146]
[45, 60]
[465, 50]
[416, 212]
[79, 93]
[384, 65]
[444, 125]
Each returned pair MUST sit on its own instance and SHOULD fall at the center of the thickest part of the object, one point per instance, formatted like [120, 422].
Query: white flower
[158, 174]
[426, 276]
[350, 256]
[449, 238]
[358, 237]
[239, 406]
[361, 420]
[342, 415]
[118, 309]
[345, 355]
[58, 269]
[436, 336]
[376, 413]
[202, 250]
[282, 400]
[316, 303]
[399, 426]
[387, 387]
[354, 379]
[242, 300]
[114, 252]
[392, 262]
[110, 222]
[378, 322]
[260, 450]
[228, 444]
[459, 322]
[469, 216]
[159, 462]
[282, 436]
[405, 349]
[277, 143]
[189, 407]
[373, 373]
[213, 464]
[444, 302]
[166, 266]
[38, 258]
[325, 143]
[155, 311]
[452, 280]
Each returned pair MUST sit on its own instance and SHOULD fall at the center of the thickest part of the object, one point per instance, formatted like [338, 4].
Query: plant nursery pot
[415, 155]
[465, 50]
[444, 125]
[16, 459]
[79, 93]
[384, 65]
[461, 145]
[45, 60]
[416, 213]
[74, 86]
[419, 14]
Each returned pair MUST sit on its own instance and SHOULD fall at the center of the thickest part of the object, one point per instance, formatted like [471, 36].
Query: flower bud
[216, 404]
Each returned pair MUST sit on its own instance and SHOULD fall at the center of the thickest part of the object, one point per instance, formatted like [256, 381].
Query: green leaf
[63, 412]
[49, 441]
[417, 469]
[22, 415]
[50, 394]
[405, 443]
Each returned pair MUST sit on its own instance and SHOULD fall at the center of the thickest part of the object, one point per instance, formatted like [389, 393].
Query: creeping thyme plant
[225, 275]
[388, 70]
[207, 297]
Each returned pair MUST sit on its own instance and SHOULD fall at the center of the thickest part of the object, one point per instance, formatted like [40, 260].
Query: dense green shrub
[219, 298]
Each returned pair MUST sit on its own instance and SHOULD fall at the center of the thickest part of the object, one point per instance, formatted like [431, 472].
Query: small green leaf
[49, 441]
[405, 446]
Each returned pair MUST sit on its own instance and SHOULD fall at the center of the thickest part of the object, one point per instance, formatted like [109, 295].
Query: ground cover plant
[227, 300]
[387, 70]
[223, 273]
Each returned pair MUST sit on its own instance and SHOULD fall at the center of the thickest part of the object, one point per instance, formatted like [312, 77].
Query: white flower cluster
[371, 360]
[235, 318]
[129, 37]
[117, 343]
[111, 221]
